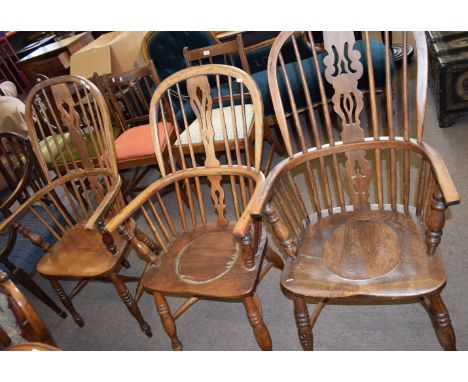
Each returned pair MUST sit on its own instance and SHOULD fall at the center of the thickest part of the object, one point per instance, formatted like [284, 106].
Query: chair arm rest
[443, 178]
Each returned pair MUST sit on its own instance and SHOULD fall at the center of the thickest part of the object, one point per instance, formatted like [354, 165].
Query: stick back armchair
[74, 116]
[358, 207]
[209, 246]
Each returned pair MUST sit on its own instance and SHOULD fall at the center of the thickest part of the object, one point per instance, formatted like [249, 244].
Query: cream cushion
[194, 127]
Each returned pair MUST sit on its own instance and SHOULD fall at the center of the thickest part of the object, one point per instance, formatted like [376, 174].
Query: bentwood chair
[207, 249]
[76, 196]
[19, 322]
[19, 170]
[230, 53]
[369, 217]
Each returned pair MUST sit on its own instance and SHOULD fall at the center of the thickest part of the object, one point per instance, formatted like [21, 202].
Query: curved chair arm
[23, 208]
[447, 187]
[241, 228]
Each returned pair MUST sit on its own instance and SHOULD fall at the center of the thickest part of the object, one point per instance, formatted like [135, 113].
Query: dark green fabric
[261, 78]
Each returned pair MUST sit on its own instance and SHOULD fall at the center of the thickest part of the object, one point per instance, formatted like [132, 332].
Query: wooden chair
[207, 251]
[360, 214]
[18, 168]
[230, 53]
[78, 193]
[128, 95]
[19, 321]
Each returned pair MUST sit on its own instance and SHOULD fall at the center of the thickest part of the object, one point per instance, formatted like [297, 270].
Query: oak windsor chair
[370, 217]
[78, 193]
[206, 252]
[231, 53]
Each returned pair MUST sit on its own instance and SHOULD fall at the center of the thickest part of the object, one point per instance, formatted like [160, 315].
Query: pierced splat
[202, 105]
[343, 70]
[71, 119]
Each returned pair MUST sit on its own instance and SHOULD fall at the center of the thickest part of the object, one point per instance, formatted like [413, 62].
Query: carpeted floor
[213, 325]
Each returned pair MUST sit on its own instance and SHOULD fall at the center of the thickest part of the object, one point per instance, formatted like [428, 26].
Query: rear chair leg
[304, 329]
[274, 258]
[132, 306]
[167, 320]
[66, 301]
[441, 321]
[253, 309]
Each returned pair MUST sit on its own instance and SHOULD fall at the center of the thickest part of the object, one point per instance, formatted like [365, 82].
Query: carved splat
[71, 119]
[202, 105]
[343, 70]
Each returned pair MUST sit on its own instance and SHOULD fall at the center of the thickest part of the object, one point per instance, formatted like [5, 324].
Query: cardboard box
[111, 53]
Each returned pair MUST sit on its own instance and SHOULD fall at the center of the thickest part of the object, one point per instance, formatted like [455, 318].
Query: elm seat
[365, 253]
[194, 127]
[137, 142]
[378, 60]
[81, 253]
[182, 269]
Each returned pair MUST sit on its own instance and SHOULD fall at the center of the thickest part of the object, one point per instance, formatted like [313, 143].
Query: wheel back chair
[18, 167]
[128, 95]
[230, 53]
[207, 250]
[19, 321]
[79, 119]
[369, 217]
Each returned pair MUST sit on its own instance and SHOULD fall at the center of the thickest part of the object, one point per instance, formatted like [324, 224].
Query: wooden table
[54, 59]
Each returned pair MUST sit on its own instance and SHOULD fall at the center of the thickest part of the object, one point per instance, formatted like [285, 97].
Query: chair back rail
[347, 78]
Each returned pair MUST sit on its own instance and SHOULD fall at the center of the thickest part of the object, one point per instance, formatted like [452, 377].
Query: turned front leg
[304, 329]
[435, 222]
[255, 317]
[167, 320]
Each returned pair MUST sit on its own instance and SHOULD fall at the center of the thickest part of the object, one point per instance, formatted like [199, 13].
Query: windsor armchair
[369, 217]
[81, 189]
[18, 168]
[19, 321]
[229, 53]
[207, 249]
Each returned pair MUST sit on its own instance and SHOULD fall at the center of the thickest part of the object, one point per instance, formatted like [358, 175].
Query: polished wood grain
[204, 250]
[369, 218]
[70, 130]
[31, 325]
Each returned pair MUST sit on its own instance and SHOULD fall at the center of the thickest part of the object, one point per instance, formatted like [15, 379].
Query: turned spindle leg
[66, 301]
[435, 222]
[304, 330]
[441, 320]
[167, 320]
[256, 321]
[132, 306]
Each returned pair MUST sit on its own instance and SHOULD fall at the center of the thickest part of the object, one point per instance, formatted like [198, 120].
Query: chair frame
[435, 193]
[248, 235]
[85, 168]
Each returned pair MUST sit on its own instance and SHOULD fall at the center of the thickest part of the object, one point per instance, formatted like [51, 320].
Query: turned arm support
[24, 208]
